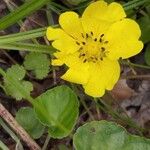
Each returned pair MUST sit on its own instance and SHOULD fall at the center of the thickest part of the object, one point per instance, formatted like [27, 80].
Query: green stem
[86, 108]
[10, 132]
[3, 146]
[46, 142]
[28, 47]
[21, 36]
[134, 65]
[106, 108]
[134, 4]
[82, 100]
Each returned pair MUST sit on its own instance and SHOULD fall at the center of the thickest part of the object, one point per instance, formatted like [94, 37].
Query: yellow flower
[91, 45]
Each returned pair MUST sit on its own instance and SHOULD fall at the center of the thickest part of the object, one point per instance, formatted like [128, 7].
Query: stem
[21, 36]
[146, 77]
[134, 4]
[17, 128]
[86, 108]
[10, 132]
[106, 108]
[3, 146]
[46, 142]
[82, 101]
[135, 65]
[28, 47]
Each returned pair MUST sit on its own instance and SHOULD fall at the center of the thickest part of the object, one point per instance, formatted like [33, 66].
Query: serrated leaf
[14, 75]
[58, 110]
[144, 23]
[27, 119]
[104, 135]
[38, 63]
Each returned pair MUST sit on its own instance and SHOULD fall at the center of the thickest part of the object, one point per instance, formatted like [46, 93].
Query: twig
[18, 129]
[146, 77]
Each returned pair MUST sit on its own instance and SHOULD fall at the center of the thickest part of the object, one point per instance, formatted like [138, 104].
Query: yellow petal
[102, 76]
[77, 74]
[101, 11]
[96, 26]
[57, 62]
[63, 42]
[71, 24]
[123, 37]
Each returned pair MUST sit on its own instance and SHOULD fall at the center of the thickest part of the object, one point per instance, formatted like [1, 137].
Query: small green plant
[89, 58]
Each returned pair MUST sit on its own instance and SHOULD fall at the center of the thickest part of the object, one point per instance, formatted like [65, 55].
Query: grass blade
[23, 11]
[28, 47]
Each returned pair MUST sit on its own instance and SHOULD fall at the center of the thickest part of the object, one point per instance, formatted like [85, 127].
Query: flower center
[92, 49]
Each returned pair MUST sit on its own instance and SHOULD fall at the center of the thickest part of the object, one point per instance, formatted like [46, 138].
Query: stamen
[101, 59]
[85, 60]
[82, 35]
[91, 33]
[100, 40]
[87, 35]
[77, 43]
[103, 49]
[81, 55]
[102, 35]
[81, 48]
[95, 39]
[105, 42]
[83, 43]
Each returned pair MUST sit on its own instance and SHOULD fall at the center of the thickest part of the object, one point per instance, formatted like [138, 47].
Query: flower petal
[96, 26]
[71, 24]
[62, 41]
[124, 43]
[77, 74]
[102, 76]
[101, 11]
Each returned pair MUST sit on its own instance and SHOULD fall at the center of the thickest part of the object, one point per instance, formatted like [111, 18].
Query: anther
[100, 40]
[101, 59]
[82, 35]
[91, 33]
[85, 60]
[77, 43]
[103, 49]
[87, 35]
[95, 39]
[96, 58]
[80, 49]
[83, 43]
[105, 42]
[81, 55]
[102, 35]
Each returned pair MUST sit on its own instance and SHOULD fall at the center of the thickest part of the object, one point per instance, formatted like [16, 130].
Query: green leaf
[103, 135]
[147, 55]
[144, 23]
[27, 119]
[58, 110]
[38, 63]
[23, 11]
[16, 74]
